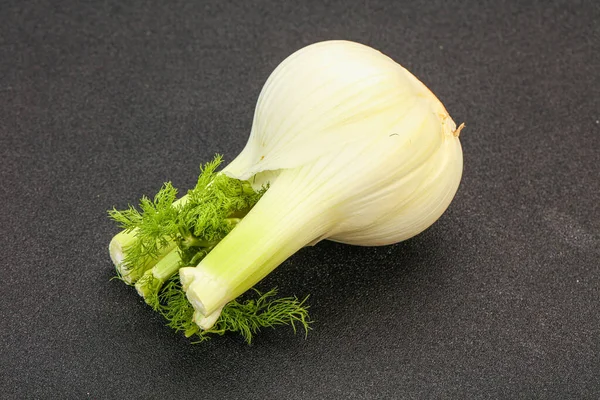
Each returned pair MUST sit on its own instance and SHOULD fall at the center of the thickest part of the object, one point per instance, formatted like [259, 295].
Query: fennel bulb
[352, 147]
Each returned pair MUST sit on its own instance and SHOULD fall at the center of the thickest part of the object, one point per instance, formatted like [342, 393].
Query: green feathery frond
[213, 207]
[245, 317]
[249, 317]
[176, 308]
[154, 225]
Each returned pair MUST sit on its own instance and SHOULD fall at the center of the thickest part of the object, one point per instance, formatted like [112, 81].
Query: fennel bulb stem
[130, 274]
[149, 285]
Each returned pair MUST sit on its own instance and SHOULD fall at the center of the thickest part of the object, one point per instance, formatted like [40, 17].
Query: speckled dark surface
[100, 102]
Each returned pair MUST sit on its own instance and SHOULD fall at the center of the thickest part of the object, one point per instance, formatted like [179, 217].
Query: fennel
[352, 147]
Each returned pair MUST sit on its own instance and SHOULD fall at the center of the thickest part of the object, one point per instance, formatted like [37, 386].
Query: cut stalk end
[204, 292]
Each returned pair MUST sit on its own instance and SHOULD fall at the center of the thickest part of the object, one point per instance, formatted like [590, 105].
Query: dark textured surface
[100, 102]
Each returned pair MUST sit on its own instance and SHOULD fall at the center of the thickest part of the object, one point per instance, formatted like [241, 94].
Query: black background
[101, 102]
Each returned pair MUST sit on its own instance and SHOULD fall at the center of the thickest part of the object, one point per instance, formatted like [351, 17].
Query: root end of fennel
[456, 133]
